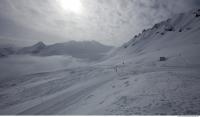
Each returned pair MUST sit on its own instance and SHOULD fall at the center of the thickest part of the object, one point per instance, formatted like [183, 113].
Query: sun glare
[74, 6]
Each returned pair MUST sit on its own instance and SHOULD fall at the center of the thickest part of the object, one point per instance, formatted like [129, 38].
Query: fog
[15, 66]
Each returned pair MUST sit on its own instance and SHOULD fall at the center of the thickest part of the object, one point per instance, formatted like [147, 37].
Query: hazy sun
[71, 5]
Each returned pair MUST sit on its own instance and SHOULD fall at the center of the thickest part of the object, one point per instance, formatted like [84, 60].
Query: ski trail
[63, 101]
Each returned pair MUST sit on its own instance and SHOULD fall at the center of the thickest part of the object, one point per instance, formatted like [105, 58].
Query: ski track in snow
[58, 101]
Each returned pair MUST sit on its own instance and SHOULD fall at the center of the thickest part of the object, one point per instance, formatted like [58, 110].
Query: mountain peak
[35, 49]
[39, 44]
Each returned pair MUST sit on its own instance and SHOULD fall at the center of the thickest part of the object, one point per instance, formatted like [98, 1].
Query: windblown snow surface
[129, 81]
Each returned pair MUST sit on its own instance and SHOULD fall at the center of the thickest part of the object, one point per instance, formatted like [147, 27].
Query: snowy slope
[130, 81]
[144, 84]
[182, 40]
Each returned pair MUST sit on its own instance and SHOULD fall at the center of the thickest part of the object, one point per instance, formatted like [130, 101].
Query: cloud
[108, 21]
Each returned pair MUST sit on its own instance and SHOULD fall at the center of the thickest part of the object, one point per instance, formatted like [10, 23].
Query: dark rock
[169, 28]
[162, 33]
[188, 28]
[168, 20]
[197, 15]
[126, 46]
[135, 36]
[163, 58]
[2, 55]
[156, 26]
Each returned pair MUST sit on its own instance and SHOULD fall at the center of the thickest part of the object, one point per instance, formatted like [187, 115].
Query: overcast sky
[111, 22]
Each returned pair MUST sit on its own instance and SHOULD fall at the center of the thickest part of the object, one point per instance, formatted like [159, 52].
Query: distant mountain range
[78, 49]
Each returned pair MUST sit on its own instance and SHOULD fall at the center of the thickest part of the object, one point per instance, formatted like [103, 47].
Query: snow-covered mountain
[155, 73]
[78, 49]
[35, 49]
[7, 49]
[176, 39]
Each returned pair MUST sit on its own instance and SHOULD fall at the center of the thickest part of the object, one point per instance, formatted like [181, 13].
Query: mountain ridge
[78, 49]
[171, 28]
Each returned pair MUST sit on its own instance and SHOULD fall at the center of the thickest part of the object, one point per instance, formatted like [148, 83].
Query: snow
[89, 50]
[35, 49]
[6, 51]
[142, 85]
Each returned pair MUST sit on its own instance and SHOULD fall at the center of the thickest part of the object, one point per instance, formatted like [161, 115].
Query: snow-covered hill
[79, 49]
[35, 49]
[7, 49]
[177, 39]
[84, 49]
[134, 79]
